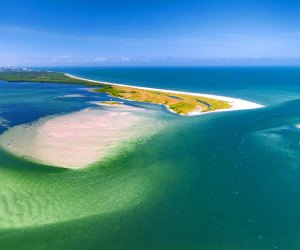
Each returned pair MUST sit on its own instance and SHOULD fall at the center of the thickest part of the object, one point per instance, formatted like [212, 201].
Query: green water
[219, 181]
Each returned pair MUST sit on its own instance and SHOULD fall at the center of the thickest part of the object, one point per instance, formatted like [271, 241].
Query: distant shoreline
[236, 104]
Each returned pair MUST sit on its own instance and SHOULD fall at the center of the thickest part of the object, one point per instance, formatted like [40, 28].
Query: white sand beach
[236, 104]
[78, 139]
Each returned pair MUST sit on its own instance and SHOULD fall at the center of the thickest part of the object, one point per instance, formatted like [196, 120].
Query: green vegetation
[111, 90]
[40, 76]
[179, 103]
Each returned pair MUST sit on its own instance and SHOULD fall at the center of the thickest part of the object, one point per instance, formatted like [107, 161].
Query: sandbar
[77, 140]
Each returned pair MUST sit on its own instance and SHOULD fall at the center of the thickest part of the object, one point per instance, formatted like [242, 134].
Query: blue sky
[131, 32]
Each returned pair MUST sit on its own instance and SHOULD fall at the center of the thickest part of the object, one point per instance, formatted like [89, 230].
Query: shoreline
[236, 104]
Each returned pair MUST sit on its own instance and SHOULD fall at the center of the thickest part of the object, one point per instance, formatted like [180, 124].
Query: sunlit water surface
[218, 181]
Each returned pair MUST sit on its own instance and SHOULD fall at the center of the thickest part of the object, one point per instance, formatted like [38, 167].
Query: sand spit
[78, 139]
[236, 104]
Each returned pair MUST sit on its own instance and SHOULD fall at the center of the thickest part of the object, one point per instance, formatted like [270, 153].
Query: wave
[71, 96]
[4, 122]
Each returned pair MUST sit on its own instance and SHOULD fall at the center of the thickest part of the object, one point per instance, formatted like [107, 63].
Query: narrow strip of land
[182, 103]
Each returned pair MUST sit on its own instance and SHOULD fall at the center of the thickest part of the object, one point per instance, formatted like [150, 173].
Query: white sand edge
[236, 104]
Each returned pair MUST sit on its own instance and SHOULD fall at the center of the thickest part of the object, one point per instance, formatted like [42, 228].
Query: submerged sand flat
[78, 139]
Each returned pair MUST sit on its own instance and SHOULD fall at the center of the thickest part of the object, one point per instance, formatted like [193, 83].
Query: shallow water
[219, 181]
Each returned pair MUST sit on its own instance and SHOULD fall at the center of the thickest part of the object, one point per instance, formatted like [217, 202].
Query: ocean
[220, 181]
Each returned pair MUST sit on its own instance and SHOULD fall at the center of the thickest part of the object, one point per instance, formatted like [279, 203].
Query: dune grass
[178, 103]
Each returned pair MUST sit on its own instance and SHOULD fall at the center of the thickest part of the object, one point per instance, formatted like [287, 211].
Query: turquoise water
[219, 181]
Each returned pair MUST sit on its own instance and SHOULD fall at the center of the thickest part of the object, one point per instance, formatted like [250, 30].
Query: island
[110, 103]
[182, 103]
